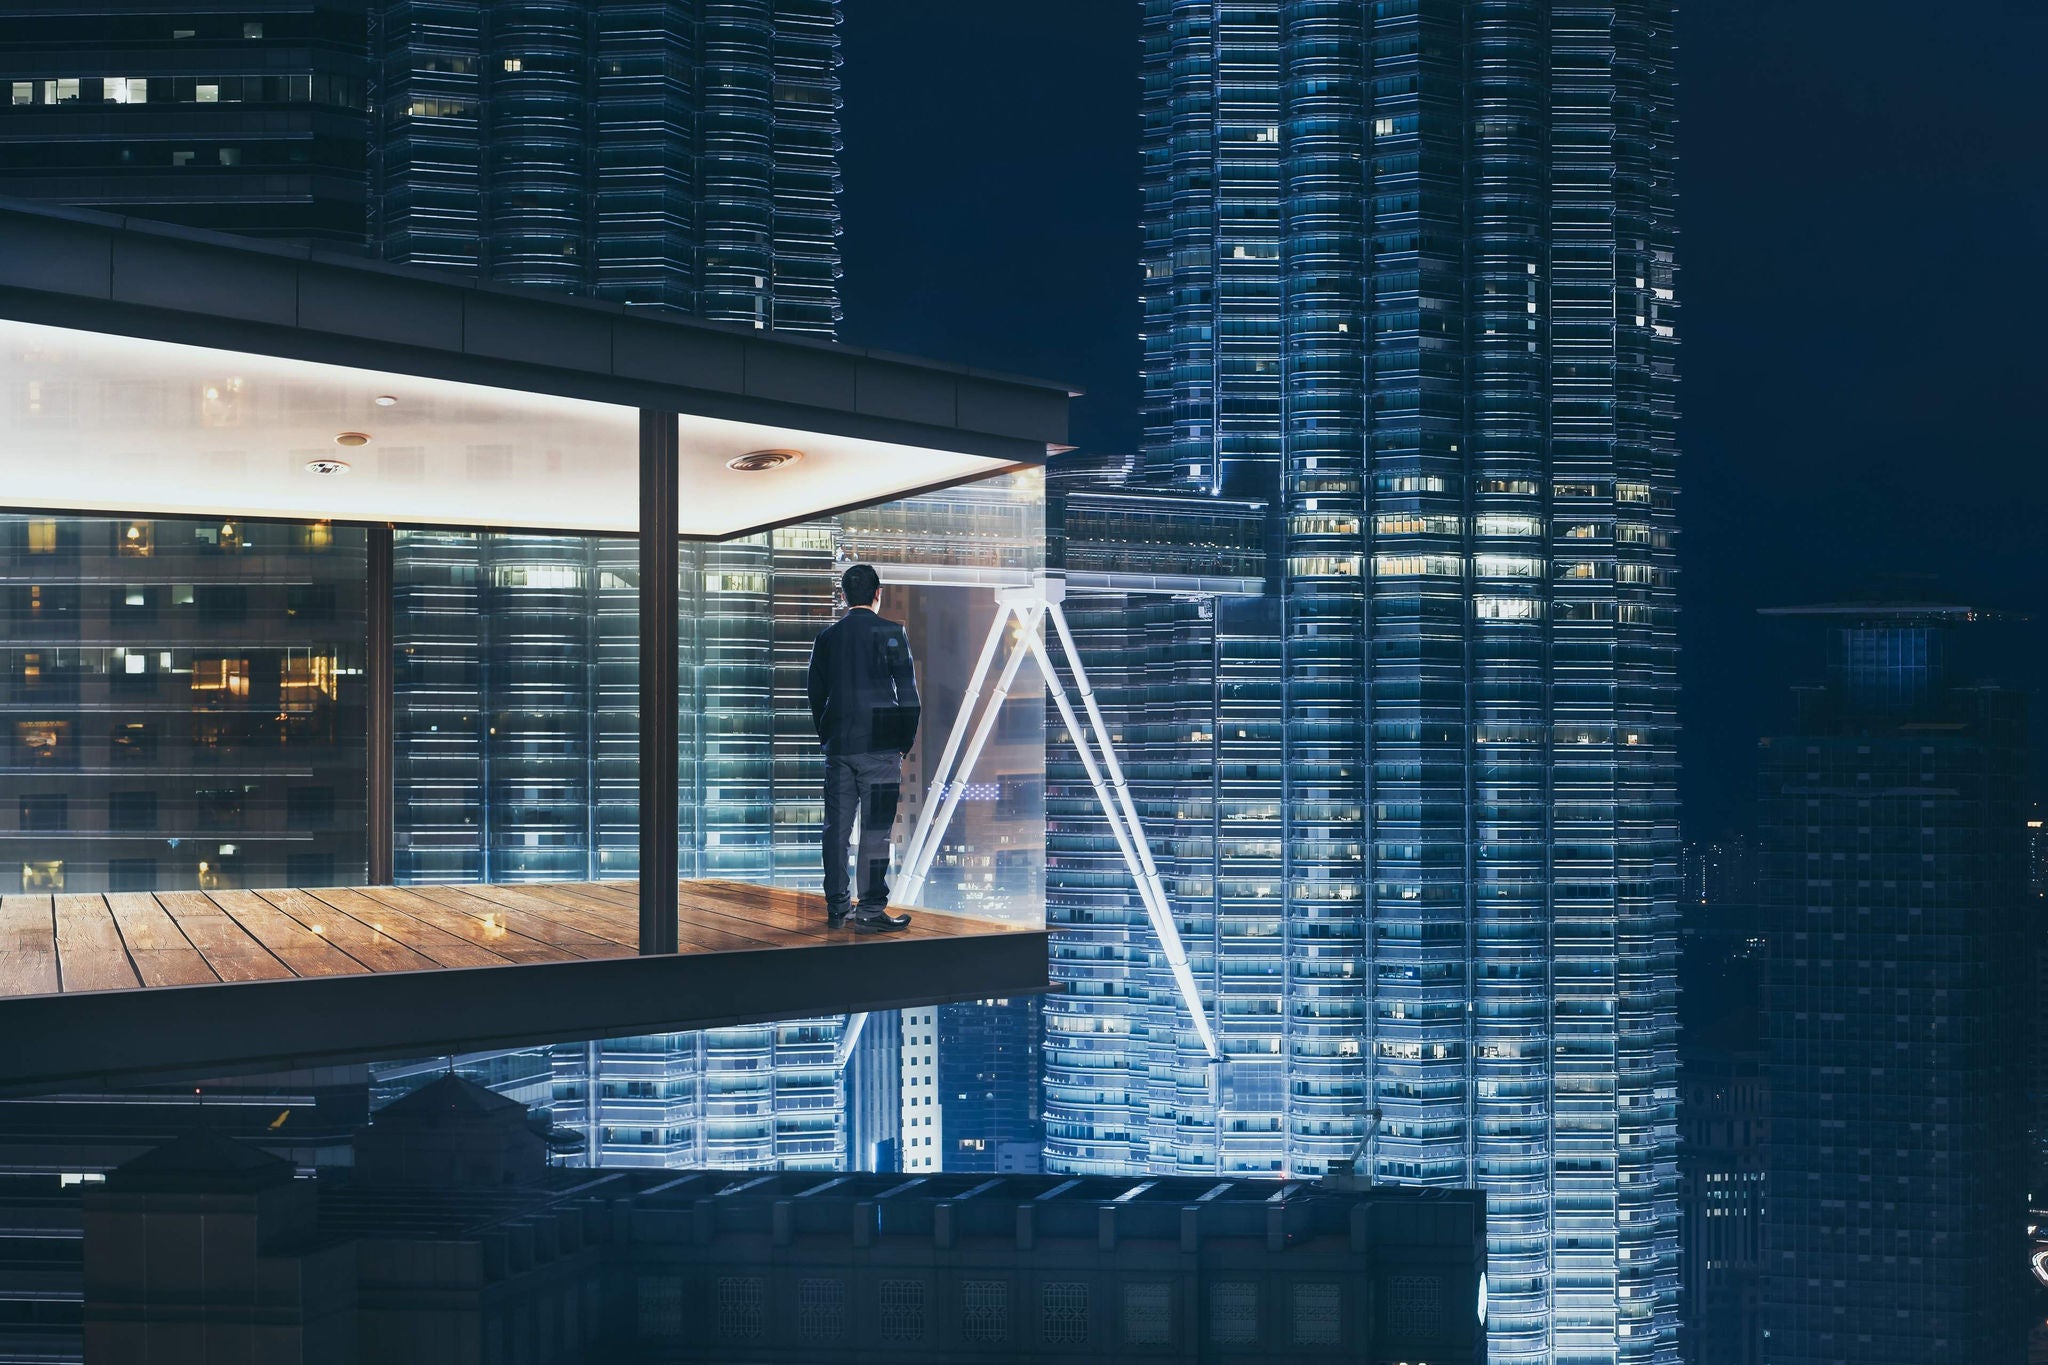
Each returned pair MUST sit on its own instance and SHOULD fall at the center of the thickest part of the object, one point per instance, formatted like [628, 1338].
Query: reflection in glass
[197, 716]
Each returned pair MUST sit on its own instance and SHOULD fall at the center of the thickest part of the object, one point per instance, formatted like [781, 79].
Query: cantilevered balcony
[150, 374]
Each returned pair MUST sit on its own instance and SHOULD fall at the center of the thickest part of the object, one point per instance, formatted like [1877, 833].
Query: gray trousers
[871, 785]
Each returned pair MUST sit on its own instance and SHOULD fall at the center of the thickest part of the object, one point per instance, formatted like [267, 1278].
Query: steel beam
[659, 607]
[378, 775]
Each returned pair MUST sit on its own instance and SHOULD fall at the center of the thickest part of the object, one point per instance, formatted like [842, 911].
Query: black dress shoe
[835, 915]
[876, 919]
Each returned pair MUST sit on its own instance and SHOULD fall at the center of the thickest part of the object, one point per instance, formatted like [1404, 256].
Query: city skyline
[1410, 280]
[1809, 420]
[1483, 400]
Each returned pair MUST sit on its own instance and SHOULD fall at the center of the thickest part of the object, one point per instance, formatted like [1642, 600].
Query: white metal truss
[1028, 608]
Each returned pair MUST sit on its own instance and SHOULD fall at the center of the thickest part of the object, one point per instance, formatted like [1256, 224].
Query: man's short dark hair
[860, 584]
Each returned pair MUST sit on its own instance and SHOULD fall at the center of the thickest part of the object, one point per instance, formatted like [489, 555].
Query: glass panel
[183, 703]
[517, 690]
[517, 759]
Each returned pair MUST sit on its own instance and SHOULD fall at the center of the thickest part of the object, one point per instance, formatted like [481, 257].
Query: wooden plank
[794, 913]
[499, 928]
[758, 906]
[292, 943]
[440, 946]
[781, 903]
[90, 955]
[230, 953]
[613, 928]
[778, 916]
[581, 897]
[695, 933]
[162, 954]
[623, 911]
[378, 951]
[28, 946]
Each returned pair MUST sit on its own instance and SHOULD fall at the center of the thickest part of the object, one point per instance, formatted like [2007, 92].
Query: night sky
[1865, 296]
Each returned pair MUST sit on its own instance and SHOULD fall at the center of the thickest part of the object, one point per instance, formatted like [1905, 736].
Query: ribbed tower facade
[1409, 281]
[681, 154]
[684, 156]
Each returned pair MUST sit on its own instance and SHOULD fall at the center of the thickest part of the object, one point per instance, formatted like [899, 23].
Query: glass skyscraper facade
[680, 153]
[183, 703]
[516, 760]
[1408, 282]
[676, 155]
[246, 118]
[1892, 866]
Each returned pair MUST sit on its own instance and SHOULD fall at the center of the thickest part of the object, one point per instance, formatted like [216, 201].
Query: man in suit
[864, 703]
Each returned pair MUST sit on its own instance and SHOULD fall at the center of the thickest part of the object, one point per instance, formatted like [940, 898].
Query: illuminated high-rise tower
[1892, 868]
[677, 154]
[1408, 280]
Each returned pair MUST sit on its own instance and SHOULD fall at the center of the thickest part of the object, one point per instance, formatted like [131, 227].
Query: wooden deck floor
[124, 941]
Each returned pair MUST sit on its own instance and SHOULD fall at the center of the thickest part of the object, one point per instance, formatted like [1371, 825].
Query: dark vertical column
[377, 704]
[658, 699]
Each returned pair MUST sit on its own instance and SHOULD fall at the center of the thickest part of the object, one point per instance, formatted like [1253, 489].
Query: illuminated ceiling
[92, 422]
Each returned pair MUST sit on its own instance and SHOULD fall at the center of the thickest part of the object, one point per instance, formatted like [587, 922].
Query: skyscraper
[1893, 871]
[664, 153]
[677, 155]
[991, 1085]
[1409, 275]
[246, 118]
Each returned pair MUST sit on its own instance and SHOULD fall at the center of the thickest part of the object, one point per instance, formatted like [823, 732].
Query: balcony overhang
[152, 370]
[131, 987]
[155, 371]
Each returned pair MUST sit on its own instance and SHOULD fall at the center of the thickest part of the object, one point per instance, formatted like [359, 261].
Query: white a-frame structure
[1030, 608]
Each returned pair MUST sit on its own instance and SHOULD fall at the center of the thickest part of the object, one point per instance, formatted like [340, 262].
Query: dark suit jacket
[860, 666]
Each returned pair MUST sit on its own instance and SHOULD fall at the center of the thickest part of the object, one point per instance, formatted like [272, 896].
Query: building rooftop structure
[743, 1266]
[154, 371]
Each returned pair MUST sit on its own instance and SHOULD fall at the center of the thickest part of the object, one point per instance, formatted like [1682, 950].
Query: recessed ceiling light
[327, 466]
[756, 461]
[351, 438]
[387, 400]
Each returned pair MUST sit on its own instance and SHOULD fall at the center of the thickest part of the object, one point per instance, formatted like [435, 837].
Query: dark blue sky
[1865, 203]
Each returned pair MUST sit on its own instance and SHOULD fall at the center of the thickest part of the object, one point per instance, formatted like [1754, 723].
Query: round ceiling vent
[757, 461]
[351, 439]
[327, 466]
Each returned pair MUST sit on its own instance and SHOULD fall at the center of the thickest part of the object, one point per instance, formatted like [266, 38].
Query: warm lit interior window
[42, 740]
[221, 678]
[43, 876]
[1415, 523]
[42, 537]
[307, 679]
[138, 538]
